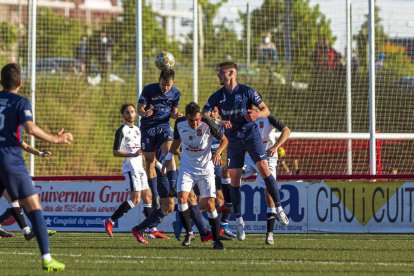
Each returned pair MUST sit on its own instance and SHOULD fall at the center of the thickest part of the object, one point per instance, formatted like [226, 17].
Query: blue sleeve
[211, 103]
[143, 97]
[24, 110]
[177, 99]
[254, 97]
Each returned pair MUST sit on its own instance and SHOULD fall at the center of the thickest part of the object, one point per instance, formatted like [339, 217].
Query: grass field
[95, 254]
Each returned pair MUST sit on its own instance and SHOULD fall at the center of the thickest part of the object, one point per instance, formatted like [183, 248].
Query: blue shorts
[163, 186]
[153, 138]
[245, 140]
[19, 184]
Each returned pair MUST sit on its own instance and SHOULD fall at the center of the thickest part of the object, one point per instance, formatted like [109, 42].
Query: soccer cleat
[269, 238]
[178, 228]
[225, 238]
[241, 235]
[51, 232]
[157, 235]
[108, 228]
[53, 265]
[218, 245]
[188, 239]
[138, 236]
[5, 234]
[283, 219]
[29, 236]
[227, 230]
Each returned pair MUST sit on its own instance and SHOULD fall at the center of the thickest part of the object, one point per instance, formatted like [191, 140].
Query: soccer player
[197, 167]
[235, 103]
[223, 199]
[266, 127]
[158, 103]
[127, 144]
[15, 112]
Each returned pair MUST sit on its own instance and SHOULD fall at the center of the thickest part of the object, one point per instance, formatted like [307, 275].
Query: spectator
[325, 57]
[267, 52]
[82, 54]
[105, 54]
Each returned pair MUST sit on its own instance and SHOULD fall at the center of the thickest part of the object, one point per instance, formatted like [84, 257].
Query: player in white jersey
[127, 144]
[267, 129]
[195, 133]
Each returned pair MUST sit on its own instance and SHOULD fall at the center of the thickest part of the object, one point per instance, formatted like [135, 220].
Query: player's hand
[164, 167]
[137, 153]
[148, 113]
[216, 159]
[45, 154]
[271, 151]
[252, 115]
[64, 138]
[177, 115]
[226, 124]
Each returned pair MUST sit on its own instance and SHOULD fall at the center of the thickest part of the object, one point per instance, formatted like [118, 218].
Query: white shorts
[137, 181]
[250, 169]
[205, 182]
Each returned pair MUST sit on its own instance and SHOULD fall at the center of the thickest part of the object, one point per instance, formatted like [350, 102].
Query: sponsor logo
[199, 132]
[27, 113]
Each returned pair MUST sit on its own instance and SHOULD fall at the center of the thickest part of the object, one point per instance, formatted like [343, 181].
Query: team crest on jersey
[261, 124]
[199, 132]
[238, 98]
[190, 138]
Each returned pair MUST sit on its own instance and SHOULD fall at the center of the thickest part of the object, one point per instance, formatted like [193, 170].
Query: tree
[8, 36]
[308, 26]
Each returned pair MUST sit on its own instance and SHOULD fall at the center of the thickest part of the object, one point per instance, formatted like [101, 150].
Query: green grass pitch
[292, 254]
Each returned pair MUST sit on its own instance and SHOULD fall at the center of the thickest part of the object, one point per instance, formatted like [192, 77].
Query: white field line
[133, 259]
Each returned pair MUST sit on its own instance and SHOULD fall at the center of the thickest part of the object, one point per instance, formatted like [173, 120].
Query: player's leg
[196, 216]
[271, 218]
[227, 208]
[207, 188]
[184, 186]
[235, 162]
[171, 169]
[134, 197]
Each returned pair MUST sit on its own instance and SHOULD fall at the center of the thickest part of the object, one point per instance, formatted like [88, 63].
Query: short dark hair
[125, 106]
[11, 76]
[167, 74]
[228, 65]
[192, 109]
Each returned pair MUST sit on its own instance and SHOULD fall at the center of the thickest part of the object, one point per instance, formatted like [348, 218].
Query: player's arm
[125, 154]
[60, 138]
[218, 134]
[262, 112]
[142, 112]
[117, 151]
[170, 155]
[283, 137]
[28, 148]
[175, 114]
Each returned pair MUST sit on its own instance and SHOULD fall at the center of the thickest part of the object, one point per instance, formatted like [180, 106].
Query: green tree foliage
[57, 36]
[308, 26]
[8, 36]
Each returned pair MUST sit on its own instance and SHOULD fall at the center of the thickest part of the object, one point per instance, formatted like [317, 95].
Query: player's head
[193, 114]
[166, 80]
[128, 112]
[226, 71]
[11, 77]
[214, 113]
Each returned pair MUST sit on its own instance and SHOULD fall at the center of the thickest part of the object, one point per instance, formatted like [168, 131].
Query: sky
[397, 15]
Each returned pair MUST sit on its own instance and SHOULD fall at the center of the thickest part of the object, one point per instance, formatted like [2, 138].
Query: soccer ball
[164, 60]
[281, 152]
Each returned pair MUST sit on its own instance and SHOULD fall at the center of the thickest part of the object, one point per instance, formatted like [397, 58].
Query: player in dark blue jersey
[158, 103]
[235, 103]
[15, 112]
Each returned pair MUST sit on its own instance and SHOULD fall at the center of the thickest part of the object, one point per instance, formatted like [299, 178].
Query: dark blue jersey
[14, 111]
[234, 105]
[160, 103]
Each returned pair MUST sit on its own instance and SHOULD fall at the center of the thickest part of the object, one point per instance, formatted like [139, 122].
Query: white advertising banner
[380, 207]
[82, 206]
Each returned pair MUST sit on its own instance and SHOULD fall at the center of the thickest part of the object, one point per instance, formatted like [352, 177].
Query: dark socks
[153, 219]
[271, 217]
[272, 189]
[215, 228]
[185, 220]
[122, 209]
[197, 217]
[236, 200]
[40, 231]
[16, 212]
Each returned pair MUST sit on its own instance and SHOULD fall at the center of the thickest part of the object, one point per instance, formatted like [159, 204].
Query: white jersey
[128, 138]
[196, 145]
[267, 129]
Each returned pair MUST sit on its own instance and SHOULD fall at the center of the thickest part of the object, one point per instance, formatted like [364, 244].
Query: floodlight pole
[32, 54]
[195, 50]
[349, 83]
